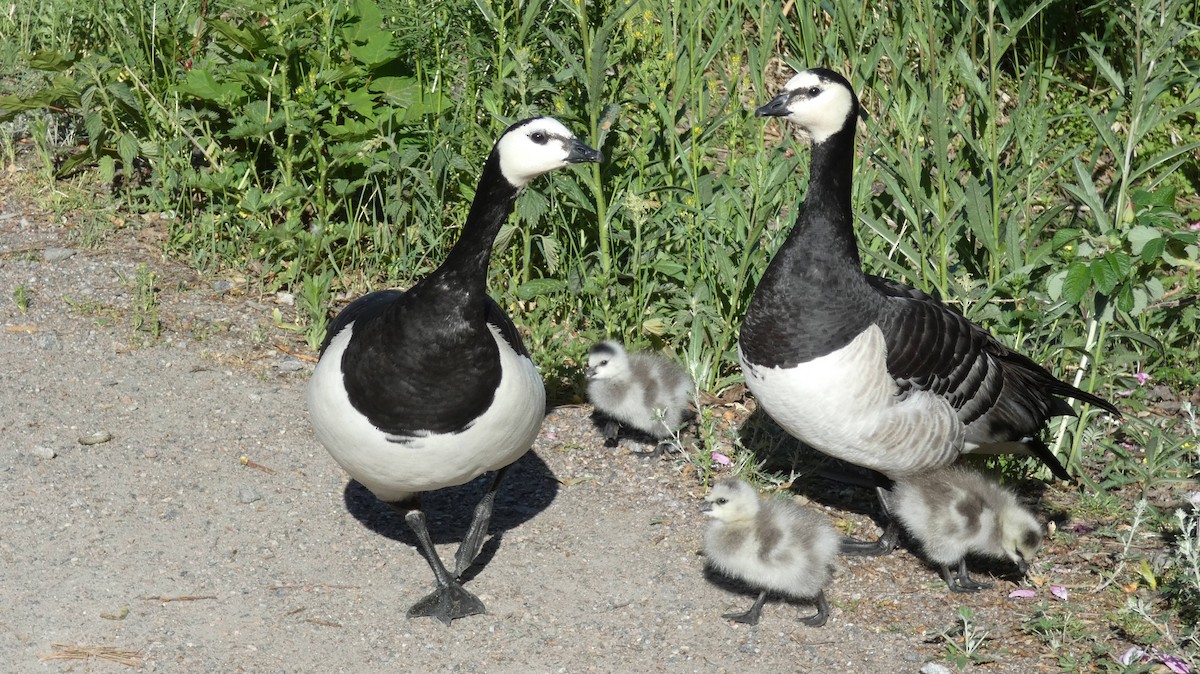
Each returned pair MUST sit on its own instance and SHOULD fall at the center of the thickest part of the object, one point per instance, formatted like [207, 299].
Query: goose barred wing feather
[999, 395]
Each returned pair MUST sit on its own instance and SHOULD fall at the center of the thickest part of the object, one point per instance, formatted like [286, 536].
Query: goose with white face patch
[868, 370]
[431, 387]
[770, 544]
[647, 392]
[953, 512]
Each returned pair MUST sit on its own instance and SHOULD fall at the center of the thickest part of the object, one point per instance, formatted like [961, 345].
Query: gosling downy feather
[954, 512]
[771, 545]
[645, 391]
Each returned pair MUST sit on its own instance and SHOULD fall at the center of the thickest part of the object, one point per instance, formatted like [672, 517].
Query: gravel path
[165, 502]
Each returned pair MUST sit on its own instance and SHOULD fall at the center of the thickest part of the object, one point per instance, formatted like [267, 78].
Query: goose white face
[606, 361]
[537, 146]
[817, 103]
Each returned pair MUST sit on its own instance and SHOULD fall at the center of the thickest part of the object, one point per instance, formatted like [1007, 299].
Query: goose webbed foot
[961, 581]
[822, 612]
[884, 546]
[752, 616]
[472, 542]
[447, 603]
[450, 600]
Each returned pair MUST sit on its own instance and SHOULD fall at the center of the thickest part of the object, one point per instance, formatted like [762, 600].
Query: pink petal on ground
[1022, 593]
[1134, 654]
[1059, 591]
[722, 459]
[1174, 664]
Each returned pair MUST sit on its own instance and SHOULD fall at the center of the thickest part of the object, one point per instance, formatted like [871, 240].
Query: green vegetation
[1036, 164]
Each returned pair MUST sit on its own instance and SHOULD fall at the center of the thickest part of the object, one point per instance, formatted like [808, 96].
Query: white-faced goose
[865, 369]
[431, 387]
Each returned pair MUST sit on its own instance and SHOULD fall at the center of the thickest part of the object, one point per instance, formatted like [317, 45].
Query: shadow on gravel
[529, 488]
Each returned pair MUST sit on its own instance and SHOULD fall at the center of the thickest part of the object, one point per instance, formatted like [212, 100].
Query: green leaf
[201, 83]
[540, 287]
[53, 61]
[1076, 282]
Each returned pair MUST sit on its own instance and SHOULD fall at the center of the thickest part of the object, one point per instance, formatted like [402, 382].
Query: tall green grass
[1020, 171]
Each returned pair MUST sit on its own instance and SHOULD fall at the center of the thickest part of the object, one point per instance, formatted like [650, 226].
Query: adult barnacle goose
[868, 370]
[953, 512]
[431, 387]
[772, 545]
[646, 391]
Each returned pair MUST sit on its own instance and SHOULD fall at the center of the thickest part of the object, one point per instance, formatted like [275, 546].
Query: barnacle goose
[955, 511]
[646, 391]
[869, 370]
[771, 545]
[431, 387]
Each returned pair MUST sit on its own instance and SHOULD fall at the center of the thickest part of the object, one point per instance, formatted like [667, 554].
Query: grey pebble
[248, 495]
[97, 438]
[934, 668]
[55, 254]
[48, 341]
[290, 365]
[43, 452]
[222, 286]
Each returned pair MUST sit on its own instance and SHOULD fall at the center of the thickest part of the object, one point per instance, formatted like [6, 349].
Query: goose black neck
[495, 196]
[825, 217]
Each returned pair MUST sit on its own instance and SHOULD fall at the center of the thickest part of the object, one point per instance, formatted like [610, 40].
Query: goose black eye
[814, 91]
[539, 137]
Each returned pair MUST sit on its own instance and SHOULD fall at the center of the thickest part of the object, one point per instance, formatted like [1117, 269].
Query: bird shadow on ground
[749, 594]
[528, 489]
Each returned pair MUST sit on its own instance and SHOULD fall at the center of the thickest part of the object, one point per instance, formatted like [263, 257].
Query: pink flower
[1059, 591]
[1022, 593]
[1194, 226]
[722, 459]
[1142, 378]
[1134, 654]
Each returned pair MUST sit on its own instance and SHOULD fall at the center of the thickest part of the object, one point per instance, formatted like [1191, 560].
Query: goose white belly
[396, 468]
[846, 405]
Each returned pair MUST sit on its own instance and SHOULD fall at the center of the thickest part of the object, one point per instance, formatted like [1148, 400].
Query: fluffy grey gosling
[955, 511]
[645, 391]
[772, 545]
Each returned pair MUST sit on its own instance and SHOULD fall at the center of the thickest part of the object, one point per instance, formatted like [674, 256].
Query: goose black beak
[579, 153]
[776, 107]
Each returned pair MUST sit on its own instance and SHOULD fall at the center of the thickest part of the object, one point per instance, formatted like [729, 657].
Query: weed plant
[1034, 177]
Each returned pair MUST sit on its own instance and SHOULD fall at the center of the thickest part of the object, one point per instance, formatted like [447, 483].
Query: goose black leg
[822, 612]
[886, 543]
[472, 543]
[962, 582]
[749, 617]
[610, 428]
[450, 600]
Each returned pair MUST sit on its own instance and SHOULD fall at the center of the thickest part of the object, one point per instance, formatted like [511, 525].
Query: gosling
[954, 511]
[645, 391]
[771, 545]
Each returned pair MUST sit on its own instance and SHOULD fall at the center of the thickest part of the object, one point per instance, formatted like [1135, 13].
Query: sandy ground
[164, 501]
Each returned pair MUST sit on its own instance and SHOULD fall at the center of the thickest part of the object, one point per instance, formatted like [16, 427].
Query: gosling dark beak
[591, 372]
[776, 107]
[1023, 567]
[579, 153]
[706, 508]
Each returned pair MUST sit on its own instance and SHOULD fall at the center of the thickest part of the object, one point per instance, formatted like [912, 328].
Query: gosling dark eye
[539, 137]
[722, 501]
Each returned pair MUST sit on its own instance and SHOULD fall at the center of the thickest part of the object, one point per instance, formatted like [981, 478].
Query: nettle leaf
[53, 61]
[540, 287]
[380, 48]
[203, 85]
[248, 37]
[1076, 282]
